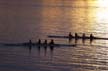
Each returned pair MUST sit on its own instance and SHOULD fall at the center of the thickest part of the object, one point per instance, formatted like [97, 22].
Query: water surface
[24, 20]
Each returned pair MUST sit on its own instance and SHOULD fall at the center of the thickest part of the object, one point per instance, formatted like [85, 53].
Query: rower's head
[83, 33]
[52, 40]
[91, 34]
[76, 34]
[69, 32]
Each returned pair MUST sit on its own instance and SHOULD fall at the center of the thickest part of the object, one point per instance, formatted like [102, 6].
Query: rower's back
[39, 41]
[52, 42]
[76, 36]
[45, 42]
[91, 38]
[70, 35]
[83, 36]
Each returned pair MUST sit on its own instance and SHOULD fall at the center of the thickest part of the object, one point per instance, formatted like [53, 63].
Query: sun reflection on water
[102, 3]
[102, 11]
[102, 14]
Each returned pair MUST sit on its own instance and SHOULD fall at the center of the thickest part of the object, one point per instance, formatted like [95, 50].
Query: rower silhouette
[70, 36]
[29, 43]
[51, 48]
[38, 47]
[52, 42]
[91, 38]
[45, 42]
[45, 46]
[76, 38]
[83, 38]
[39, 42]
[30, 46]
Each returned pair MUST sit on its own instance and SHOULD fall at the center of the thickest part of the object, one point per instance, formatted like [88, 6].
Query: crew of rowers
[70, 37]
[45, 42]
[83, 36]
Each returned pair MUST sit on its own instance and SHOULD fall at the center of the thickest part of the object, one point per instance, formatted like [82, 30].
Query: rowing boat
[36, 44]
[79, 37]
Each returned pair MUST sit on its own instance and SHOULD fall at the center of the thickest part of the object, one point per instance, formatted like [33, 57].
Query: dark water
[21, 21]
